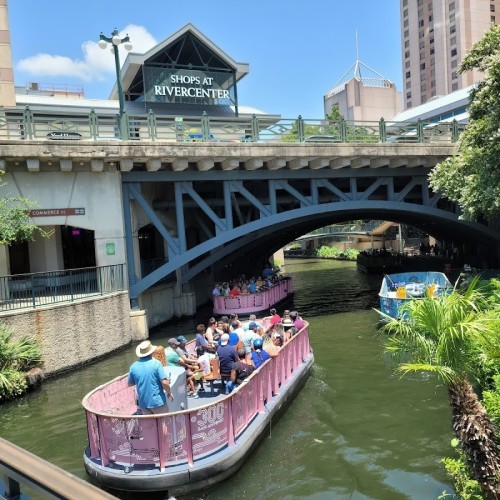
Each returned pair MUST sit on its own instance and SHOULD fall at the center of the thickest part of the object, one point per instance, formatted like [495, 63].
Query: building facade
[435, 36]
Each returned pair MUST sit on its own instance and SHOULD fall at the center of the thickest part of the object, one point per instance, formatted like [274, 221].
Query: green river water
[355, 431]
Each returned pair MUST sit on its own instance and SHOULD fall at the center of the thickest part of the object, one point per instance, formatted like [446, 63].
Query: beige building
[364, 98]
[435, 36]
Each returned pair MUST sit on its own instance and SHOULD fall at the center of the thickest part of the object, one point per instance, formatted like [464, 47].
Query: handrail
[31, 125]
[34, 290]
[117, 435]
[20, 467]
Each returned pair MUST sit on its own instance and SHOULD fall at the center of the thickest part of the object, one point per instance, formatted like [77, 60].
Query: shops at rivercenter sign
[189, 86]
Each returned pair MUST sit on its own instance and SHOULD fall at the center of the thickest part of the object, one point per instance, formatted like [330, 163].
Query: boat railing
[122, 440]
[259, 301]
[24, 473]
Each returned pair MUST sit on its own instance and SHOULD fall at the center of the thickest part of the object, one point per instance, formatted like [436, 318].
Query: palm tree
[446, 336]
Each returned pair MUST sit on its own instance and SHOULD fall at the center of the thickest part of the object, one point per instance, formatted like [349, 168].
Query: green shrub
[465, 487]
[325, 251]
[16, 358]
[351, 254]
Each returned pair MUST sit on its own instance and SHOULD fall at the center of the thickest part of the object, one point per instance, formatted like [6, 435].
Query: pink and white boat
[254, 303]
[193, 448]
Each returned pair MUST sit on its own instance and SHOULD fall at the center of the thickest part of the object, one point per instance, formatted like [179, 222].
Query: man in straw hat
[151, 381]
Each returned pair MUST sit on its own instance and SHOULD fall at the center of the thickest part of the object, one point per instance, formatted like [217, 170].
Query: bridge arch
[271, 232]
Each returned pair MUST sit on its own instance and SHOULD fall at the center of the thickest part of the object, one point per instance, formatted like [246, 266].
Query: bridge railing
[41, 289]
[118, 437]
[29, 125]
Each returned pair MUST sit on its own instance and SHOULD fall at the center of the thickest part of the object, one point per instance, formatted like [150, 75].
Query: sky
[297, 50]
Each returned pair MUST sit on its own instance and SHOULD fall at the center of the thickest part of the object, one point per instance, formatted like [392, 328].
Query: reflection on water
[355, 431]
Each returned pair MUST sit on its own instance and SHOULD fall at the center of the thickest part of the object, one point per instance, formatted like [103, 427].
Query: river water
[355, 431]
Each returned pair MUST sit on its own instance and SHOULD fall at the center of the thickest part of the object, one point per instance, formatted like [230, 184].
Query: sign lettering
[55, 212]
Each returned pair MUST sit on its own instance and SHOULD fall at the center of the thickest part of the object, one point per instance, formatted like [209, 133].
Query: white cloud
[96, 63]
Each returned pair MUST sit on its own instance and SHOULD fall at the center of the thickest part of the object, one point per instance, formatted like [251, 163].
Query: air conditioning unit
[33, 86]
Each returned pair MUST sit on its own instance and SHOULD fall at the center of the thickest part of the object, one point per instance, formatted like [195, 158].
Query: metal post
[382, 130]
[343, 130]
[152, 125]
[255, 128]
[300, 129]
[94, 129]
[420, 130]
[454, 131]
[205, 127]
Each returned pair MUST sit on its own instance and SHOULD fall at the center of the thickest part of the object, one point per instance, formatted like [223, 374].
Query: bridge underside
[211, 219]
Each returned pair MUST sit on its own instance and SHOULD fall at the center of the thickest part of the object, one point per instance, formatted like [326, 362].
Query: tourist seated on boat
[259, 282]
[182, 347]
[259, 354]
[275, 318]
[278, 340]
[237, 327]
[267, 272]
[174, 358]
[235, 291]
[241, 370]
[200, 339]
[234, 338]
[203, 359]
[234, 317]
[212, 333]
[251, 318]
[298, 322]
[184, 358]
[227, 357]
[150, 380]
[249, 336]
[225, 289]
[216, 290]
[252, 287]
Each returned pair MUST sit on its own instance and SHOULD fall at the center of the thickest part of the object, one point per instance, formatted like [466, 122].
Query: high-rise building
[435, 36]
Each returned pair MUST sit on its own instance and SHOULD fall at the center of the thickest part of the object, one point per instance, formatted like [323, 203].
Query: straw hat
[145, 349]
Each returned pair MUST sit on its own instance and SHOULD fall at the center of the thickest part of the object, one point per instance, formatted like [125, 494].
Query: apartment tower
[435, 36]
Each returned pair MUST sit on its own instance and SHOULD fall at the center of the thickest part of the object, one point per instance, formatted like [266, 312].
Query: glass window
[454, 75]
[432, 61]
[421, 23]
[492, 7]
[407, 34]
[453, 29]
[408, 95]
[453, 52]
[454, 86]
[453, 40]
[431, 40]
[454, 63]
[433, 83]
[452, 18]
[421, 34]
[407, 54]
[430, 18]
[422, 77]
[408, 85]
[423, 87]
[431, 51]
[405, 13]
[420, 12]
[452, 6]
[433, 72]
[492, 19]
[421, 44]
[433, 93]
[420, 2]
[408, 74]
[407, 64]
[422, 56]
[407, 44]
[408, 104]
[422, 66]
[405, 3]
[424, 98]
[405, 24]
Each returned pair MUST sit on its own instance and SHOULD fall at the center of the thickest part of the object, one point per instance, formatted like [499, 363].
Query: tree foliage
[15, 222]
[472, 178]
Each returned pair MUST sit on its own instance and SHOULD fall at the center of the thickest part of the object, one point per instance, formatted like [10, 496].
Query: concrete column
[7, 89]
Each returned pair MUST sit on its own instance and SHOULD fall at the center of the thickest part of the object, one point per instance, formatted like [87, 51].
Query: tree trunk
[476, 433]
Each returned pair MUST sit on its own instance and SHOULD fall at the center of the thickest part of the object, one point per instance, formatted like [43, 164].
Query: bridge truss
[214, 214]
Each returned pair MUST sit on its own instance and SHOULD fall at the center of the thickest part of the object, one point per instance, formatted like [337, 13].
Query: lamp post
[115, 40]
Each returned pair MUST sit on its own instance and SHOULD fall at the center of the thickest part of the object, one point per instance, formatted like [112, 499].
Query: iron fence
[22, 291]
[30, 125]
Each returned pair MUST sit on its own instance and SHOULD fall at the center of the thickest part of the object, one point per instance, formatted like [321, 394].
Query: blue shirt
[227, 357]
[146, 374]
[258, 360]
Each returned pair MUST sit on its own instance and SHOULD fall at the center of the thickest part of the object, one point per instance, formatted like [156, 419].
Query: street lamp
[115, 40]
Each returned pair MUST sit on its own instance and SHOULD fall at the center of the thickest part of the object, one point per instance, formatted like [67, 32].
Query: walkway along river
[355, 431]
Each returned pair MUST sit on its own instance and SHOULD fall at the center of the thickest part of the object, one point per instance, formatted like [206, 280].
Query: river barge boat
[254, 303]
[194, 447]
[398, 289]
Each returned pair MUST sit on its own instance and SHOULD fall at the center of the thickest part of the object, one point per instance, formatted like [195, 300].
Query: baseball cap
[224, 339]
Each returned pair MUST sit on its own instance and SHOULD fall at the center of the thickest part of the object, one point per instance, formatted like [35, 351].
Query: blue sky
[297, 50]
